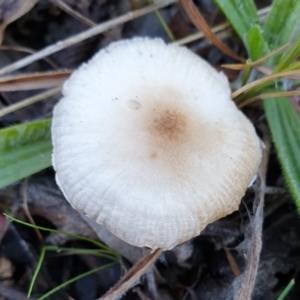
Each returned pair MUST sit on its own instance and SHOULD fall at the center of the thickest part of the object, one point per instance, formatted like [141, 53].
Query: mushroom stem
[125, 283]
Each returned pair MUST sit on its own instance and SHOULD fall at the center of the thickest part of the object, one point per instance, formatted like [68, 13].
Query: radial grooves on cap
[148, 143]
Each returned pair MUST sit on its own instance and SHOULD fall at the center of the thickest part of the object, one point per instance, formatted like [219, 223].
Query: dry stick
[199, 35]
[63, 6]
[29, 101]
[201, 25]
[60, 45]
[125, 283]
[34, 99]
[247, 282]
[27, 50]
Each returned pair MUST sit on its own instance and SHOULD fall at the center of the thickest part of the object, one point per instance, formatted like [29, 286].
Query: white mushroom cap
[148, 142]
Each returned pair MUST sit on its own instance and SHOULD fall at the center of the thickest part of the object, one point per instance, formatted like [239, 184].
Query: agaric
[148, 142]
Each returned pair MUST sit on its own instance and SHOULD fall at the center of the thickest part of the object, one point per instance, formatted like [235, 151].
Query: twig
[27, 50]
[26, 210]
[247, 280]
[29, 101]
[124, 284]
[60, 45]
[63, 6]
[199, 35]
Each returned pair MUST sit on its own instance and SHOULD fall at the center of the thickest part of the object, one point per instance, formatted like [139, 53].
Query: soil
[209, 266]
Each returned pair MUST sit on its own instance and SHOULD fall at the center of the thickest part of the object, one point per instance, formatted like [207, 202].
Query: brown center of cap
[169, 123]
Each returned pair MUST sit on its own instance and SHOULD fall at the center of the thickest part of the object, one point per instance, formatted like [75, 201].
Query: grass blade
[285, 127]
[281, 21]
[72, 235]
[64, 284]
[24, 149]
[257, 46]
[289, 56]
[241, 14]
[282, 118]
[286, 290]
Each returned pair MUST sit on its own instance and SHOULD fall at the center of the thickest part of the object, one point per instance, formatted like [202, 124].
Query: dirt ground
[210, 266]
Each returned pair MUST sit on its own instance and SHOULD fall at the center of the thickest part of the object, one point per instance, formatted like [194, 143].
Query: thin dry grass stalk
[63, 6]
[245, 283]
[91, 32]
[287, 74]
[224, 27]
[28, 101]
[237, 67]
[269, 95]
[133, 275]
[199, 35]
[27, 50]
[271, 54]
[26, 209]
[257, 62]
[201, 25]
[34, 81]
[263, 69]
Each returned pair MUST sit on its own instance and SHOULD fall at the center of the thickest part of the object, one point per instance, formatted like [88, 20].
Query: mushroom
[148, 142]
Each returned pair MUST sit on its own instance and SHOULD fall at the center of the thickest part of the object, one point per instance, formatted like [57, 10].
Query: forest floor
[207, 267]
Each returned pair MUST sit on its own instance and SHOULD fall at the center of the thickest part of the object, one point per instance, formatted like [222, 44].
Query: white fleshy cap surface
[148, 142]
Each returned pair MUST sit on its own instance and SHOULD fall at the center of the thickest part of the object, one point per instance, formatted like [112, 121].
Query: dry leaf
[11, 10]
[199, 22]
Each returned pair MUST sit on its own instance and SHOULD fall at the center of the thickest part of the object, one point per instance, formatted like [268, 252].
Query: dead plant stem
[26, 210]
[91, 32]
[200, 23]
[29, 101]
[63, 6]
[287, 74]
[126, 282]
[262, 13]
[247, 281]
